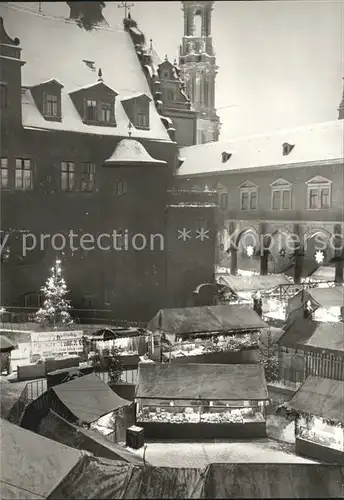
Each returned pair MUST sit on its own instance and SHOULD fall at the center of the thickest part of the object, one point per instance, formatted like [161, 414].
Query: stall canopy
[202, 381]
[117, 333]
[32, 466]
[254, 283]
[307, 333]
[88, 398]
[7, 344]
[327, 297]
[224, 318]
[324, 273]
[55, 427]
[321, 397]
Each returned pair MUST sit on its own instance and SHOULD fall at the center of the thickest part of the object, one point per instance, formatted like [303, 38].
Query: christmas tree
[55, 310]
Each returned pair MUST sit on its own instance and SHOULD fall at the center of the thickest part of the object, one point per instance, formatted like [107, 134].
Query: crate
[135, 437]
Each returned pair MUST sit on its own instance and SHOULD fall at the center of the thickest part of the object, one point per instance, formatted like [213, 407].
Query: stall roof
[304, 332]
[89, 398]
[254, 283]
[117, 332]
[55, 427]
[324, 273]
[232, 317]
[264, 480]
[322, 397]
[327, 297]
[201, 381]
[7, 344]
[31, 465]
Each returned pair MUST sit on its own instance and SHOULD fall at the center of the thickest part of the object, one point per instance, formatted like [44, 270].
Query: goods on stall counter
[162, 416]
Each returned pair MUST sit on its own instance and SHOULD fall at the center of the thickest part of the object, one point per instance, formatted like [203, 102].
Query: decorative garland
[292, 414]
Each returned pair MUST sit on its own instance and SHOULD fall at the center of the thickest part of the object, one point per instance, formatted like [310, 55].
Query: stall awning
[307, 333]
[324, 273]
[321, 397]
[201, 381]
[88, 398]
[254, 283]
[327, 297]
[7, 344]
[232, 317]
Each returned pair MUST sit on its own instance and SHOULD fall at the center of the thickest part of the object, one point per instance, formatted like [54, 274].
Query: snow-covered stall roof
[304, 333]
[198, 320]
[202, 381]
[253, 283]
[62, 51]
[32, 466]
[327, 297]
[88, 398]
[320, 397]
[319, 142]
[324, 273]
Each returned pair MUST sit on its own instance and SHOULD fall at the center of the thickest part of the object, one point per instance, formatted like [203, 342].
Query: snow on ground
[191, 454]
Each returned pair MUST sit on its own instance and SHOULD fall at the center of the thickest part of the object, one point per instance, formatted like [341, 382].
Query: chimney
[341, 107]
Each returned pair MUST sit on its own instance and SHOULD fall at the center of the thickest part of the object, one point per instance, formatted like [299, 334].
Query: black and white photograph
[172, 249]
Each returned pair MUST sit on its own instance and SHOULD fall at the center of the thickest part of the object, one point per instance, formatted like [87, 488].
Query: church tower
[198, 68]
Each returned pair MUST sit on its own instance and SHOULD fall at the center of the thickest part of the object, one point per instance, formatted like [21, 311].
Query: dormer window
[137, 109]
[91, 110]
[287, 148]
[47, 97]
[96, 104]
[51, 105]
[225, 156]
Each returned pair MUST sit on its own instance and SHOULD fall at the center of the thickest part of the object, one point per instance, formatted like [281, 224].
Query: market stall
[223, 334]
[317, 409]
[201, 400]
[320, 304]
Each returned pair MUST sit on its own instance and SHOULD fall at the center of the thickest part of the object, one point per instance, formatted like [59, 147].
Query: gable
[53, 83]
[98, 87]
[318, 179]
[280, 183]
[248, 185]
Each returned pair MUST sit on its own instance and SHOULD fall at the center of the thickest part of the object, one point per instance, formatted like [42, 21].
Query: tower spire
[341, 106]
[198, 67]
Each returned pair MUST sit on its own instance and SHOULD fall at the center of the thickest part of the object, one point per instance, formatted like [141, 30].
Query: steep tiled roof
[57, 48]
[319, 142]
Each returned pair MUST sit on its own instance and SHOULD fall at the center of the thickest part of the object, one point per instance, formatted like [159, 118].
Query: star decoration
[283, 252]
[319, 257]
[250, 250]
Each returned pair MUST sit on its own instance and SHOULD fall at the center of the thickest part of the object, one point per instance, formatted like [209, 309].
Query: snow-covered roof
[319, 142]
[131, 151]
[57, 48]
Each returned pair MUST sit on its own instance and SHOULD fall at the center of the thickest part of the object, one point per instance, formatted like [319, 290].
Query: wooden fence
[324, 365]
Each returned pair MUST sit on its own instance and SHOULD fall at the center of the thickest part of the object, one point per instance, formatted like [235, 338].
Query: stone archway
[248, 246]
[318, 250]
[281, 251]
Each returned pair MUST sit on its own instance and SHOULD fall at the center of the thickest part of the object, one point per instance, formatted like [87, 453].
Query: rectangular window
[248, 199]
[67, 176]
[276, 200]
[88, 176]
[51, 105]
[23, 174]
[4, 173]
[170, 95]
[286, 199]
[105, 112]
[325, 197]
[91, 110]
[224, 201]
[142, 118]
[3, 95]
[313, 198]
[244, 200]
[121, 188]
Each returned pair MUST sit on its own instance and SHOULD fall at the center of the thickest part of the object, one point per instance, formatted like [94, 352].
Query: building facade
[280, 198]
[87, 170]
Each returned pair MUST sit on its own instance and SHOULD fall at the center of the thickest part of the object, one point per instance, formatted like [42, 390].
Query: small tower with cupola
[198, 67]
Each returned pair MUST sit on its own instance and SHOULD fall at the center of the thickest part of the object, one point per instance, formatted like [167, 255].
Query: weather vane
[126, 7]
